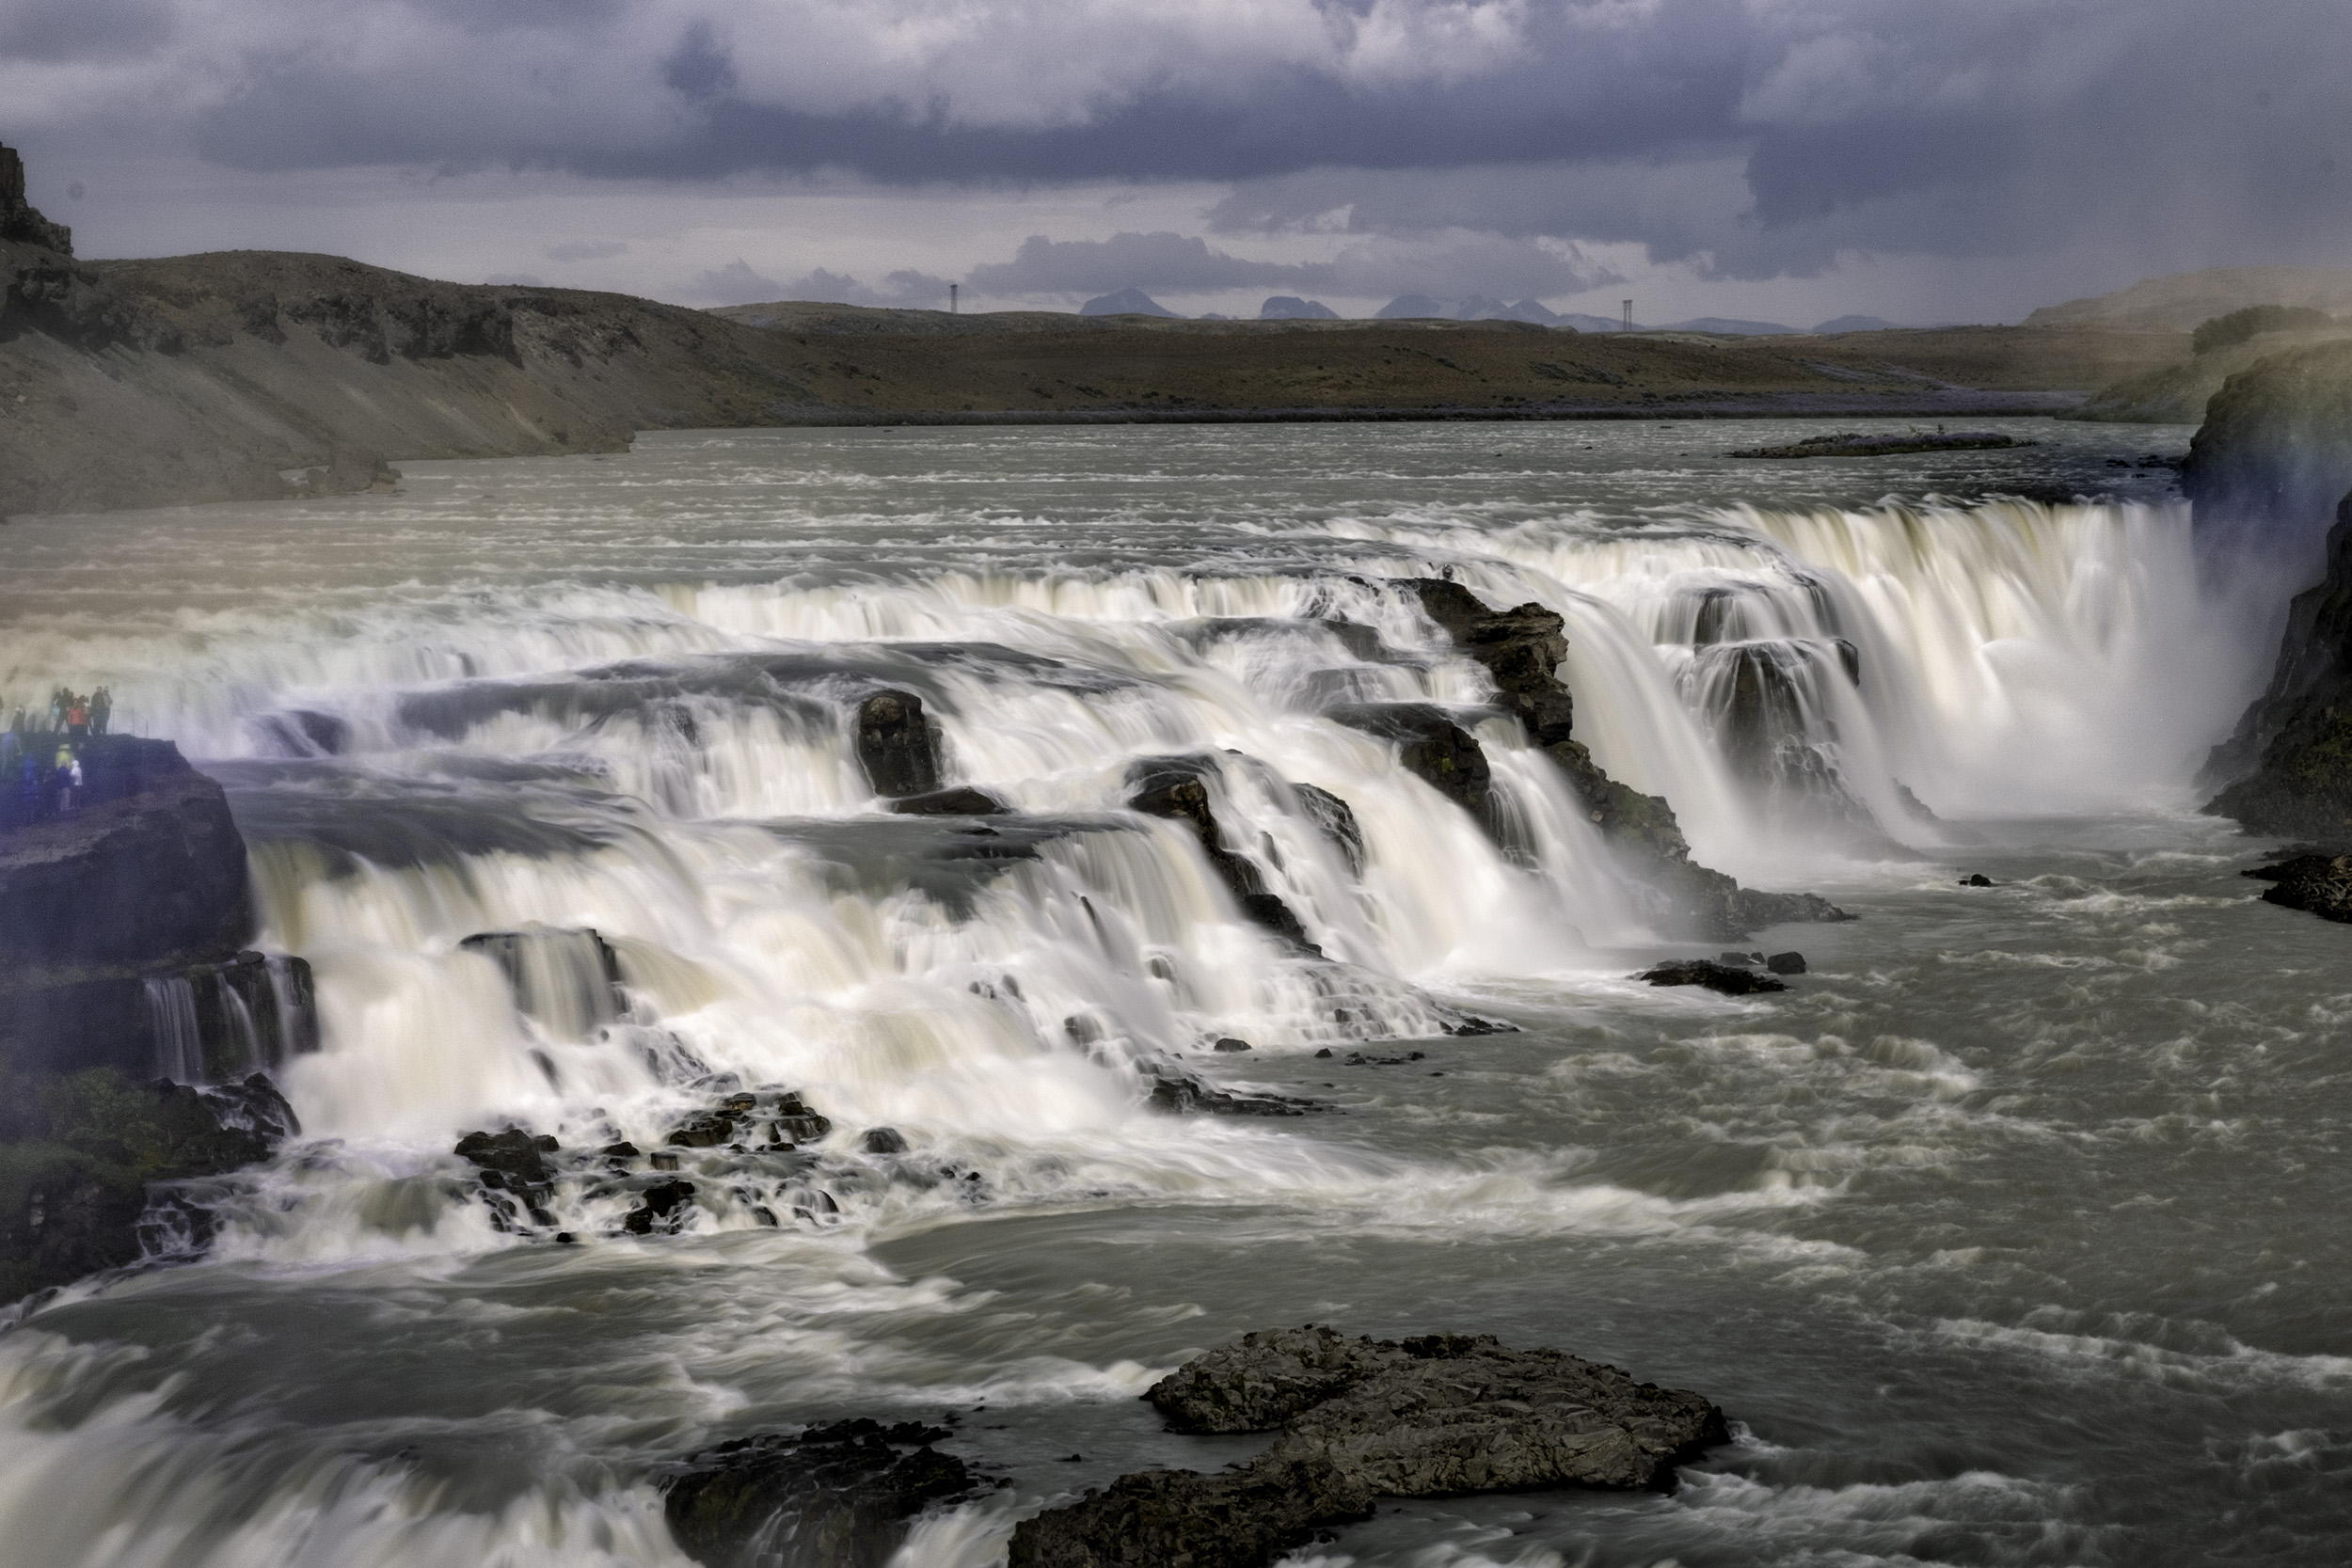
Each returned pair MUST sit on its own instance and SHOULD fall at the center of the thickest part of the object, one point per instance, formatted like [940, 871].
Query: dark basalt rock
[883, 1140]
[1977, 878]
[86, 1161]
[1437, 1415]
[1432, 747]
[1178, 1091]
[1785, 963]
[150, 870]
[2290, 757]
[660, 1206]
[1176, 789]
[19, 220]
[516, 1181]
[1854, 444]
[960, 800]
[1229, 1044]
[1336, 819]
[1523, 649]
[2316, 884]
[894, 745]
[1181, 1516]
[832, 1496]
[1714, 977]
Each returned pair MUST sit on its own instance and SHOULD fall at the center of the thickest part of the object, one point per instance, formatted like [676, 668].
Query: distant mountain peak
[1126, 302]
[1290, 308]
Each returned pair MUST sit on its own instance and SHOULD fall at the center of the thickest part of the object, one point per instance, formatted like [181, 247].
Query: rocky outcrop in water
[2289, 764]
[1855, 444]
[1177, 788]
[145, 879]
[1732, 980]
[958, 801]
[831, 1496]
[1522, 650]
[894, 746]
[86, 1161]
[2316, 884]
[1436, 1415]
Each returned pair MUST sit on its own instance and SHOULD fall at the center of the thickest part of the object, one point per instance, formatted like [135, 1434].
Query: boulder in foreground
[2316, 884]
[839, 1495]
[1440, 1414]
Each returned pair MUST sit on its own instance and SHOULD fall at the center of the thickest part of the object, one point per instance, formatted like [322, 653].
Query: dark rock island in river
[1437, 1415]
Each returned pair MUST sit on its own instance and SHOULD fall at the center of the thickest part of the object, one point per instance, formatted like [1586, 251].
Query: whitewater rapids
[556, 696]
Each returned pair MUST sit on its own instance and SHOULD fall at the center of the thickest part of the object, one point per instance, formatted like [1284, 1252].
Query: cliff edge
[2275, 452]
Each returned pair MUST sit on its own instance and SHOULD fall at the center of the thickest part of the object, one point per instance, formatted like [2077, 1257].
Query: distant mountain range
[1135, 302]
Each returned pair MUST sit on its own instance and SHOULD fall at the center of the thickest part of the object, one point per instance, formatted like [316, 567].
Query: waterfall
[178, 1039]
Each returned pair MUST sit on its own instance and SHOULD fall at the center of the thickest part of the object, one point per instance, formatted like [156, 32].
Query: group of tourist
[42, 752]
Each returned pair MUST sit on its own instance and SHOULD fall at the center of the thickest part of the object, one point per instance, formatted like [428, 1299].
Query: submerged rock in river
[1437, 1415]
[832, 1496]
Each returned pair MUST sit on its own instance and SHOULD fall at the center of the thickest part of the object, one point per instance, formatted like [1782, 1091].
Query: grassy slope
[205, 378]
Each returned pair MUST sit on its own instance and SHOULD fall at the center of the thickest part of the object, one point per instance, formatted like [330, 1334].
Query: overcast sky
[1789, 160]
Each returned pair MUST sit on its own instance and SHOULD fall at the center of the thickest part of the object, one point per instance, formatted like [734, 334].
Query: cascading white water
[583, 851]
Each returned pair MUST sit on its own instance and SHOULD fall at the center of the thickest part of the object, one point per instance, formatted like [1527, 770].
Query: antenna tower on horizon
[1629, 317]
[952, 299]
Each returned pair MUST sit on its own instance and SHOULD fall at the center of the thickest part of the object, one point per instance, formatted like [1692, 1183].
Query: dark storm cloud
[57, 31]
[1753, 137]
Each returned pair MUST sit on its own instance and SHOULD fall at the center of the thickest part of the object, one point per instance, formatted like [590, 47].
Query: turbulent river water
[2012, 1233]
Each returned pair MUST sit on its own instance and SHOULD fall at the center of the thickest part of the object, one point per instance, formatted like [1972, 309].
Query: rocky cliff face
[2275, 452]
[19, 220]
[2291, 758]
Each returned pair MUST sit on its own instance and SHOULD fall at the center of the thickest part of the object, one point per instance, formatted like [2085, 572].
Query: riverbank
[246, 376]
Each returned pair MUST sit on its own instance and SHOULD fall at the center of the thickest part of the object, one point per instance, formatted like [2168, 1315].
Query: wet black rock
[1336, 819]
[88, 1160]
[1176, 1090]
[1436, 1415]
[958, 801]
[1177, 788]
[1228, 1043]
[660, 1206]
[2316, 884]
[1432, 747]
[1714, 977]
[883, 1140]
[1738, 961]
[705, 1129]
[894, 746]
[837, 1496]
[516, 1177]
[2288, 768]
[1181, 1516]
[1785, 963]
[1977, 878]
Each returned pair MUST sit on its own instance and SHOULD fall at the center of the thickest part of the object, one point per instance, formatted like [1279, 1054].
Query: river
[2010, 1234]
